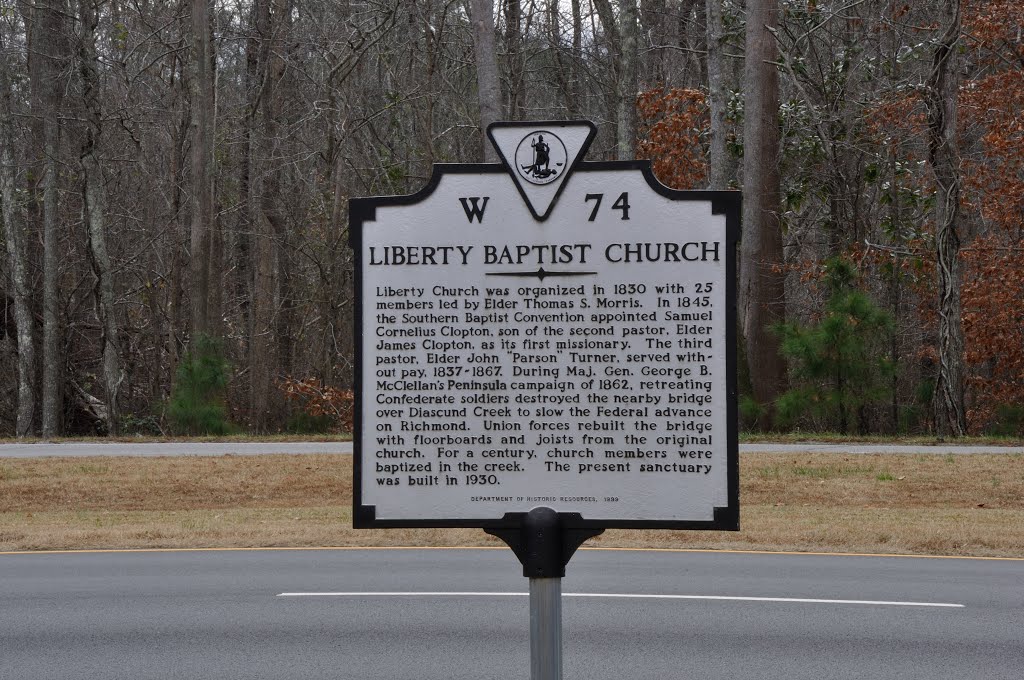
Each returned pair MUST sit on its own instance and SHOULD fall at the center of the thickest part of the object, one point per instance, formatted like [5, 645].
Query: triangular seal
[540, 156]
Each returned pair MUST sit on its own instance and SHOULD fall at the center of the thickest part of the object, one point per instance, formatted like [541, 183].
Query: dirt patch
[923, 504]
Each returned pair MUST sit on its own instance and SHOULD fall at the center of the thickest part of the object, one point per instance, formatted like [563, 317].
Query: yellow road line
[254, 549]
[470, 547]
[817, 554]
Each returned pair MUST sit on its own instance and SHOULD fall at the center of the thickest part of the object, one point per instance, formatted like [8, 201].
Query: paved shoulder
[76, 449]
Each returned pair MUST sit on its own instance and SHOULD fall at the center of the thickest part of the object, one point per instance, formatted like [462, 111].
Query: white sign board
[546, 332]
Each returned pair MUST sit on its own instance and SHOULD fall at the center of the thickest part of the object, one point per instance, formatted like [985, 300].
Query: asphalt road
[47, 449]
[347, 614]
[76, 449]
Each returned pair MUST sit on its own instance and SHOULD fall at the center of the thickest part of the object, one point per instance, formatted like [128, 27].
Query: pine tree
[838, 363]
[197, 403]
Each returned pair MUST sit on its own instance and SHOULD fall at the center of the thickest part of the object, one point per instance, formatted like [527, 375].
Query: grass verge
[814, 437]
[895, 504]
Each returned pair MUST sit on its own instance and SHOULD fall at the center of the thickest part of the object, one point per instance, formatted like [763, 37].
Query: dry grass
[923, 440]
[926, 504]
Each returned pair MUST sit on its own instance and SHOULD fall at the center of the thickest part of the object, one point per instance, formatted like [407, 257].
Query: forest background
[174, 178]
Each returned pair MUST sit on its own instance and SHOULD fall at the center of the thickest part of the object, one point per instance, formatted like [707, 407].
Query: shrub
[839, 360]
[321, 401]
[1009, 421]
[197, 403]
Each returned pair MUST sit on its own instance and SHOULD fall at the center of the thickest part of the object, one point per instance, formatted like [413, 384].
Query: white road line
[634, 596]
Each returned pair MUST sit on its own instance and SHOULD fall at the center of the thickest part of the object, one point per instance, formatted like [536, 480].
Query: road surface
[93, 448]
[463, 614]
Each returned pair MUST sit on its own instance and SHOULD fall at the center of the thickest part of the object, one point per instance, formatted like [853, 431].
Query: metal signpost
[545, 349]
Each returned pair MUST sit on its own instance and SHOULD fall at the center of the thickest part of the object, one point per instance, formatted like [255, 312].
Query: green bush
[838, 362]
[915, 416]
[1009, 421]
[304, 423]
[751, 412]
[197, 404]
[145, 425]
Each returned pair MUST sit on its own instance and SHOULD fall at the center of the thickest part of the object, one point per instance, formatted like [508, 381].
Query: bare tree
[721, 163]
[622, 32]
[50, 46]
[178, 310]
[202, 96]
[516, 58]
[577, 55]
[16, 255]
[266, 75]
[94, 210]
[488, 84]
[628, 82]
[943, 152]
[234, 132]
[654, 43]
[762, 286]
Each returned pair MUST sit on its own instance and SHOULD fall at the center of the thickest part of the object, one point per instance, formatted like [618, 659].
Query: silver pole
[545, 629]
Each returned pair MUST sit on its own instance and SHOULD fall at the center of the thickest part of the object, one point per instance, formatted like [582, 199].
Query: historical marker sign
[546, 332]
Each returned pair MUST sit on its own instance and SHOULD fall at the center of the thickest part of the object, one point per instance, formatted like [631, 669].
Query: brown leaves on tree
[993, 291]
[318, 399]
[672, 124]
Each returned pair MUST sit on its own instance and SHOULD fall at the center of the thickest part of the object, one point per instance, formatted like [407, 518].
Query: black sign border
[728, 203]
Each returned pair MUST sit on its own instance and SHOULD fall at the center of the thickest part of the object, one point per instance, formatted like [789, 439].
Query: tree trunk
[52, 50]
[94, 207]
[267, 71]
[944, 155]
[566, 69]
[251, 233]
[15, 243]
[762, 285]
[488, 85]
[516, 61]
[177, 309]
[627, 84]
[261, 343]
[623, 40]
[203, 110]
[721, 164]
[53, 357]
[654, 38]
[577, 59]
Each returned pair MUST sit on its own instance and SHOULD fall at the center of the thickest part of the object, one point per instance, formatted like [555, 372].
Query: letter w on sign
[477, 209]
